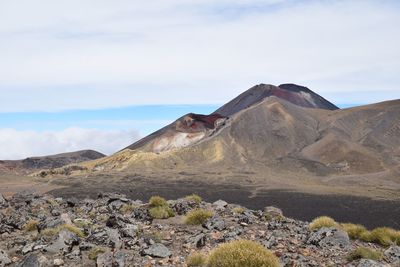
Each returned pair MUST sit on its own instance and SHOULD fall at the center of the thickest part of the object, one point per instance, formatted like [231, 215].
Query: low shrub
[58, 229]
[157, 236]
[365, 253]
[198, 216]
[83, 223]
[127, 208]
[95, 252]
[238, 210]
[196, 260]
[323, 221]
[72, 229]
[242, 253]
[384, 236]
[157, 201]
[31, 225]
[49, 232]
[195, 198]
[355, 231]
[161, 212]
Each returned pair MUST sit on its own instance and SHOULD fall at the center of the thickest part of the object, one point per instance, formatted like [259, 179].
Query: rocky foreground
[40, 230]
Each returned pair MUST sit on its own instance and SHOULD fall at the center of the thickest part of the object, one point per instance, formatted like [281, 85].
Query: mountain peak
[296, 94]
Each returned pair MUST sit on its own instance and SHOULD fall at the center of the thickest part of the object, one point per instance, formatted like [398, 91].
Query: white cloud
[21, 144]
[59, 55]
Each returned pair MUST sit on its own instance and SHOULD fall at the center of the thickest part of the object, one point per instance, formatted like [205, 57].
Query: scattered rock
[183, 206]
[215, 223]
[3, 201]
[4, 259]
[58, 262]
[116, 237]
[371, 263]
[105, 260]
[157, 250]
[198, 240]
[393, 254]
[220, 204]
[63, 243]
[329, 237]
[29, 261]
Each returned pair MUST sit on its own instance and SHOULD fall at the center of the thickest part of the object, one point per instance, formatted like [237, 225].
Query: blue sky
[145, 119]
[100, 74]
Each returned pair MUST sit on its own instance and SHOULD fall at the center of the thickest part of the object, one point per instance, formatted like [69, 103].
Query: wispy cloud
[58, 55]
[21, 144]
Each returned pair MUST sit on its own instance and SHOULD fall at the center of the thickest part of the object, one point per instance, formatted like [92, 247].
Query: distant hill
[48, 162]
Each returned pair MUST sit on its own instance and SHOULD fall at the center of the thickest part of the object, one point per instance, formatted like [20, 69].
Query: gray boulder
[4, 259]
[119, 259]
[198, 240]
[215, 223]
[108, 237]
[30, 261]
[130, 230]
[105, 260]
[393, 254]
[3, 201]
[157, 250]
[371, 263]
[329, 237]
[63, 243]
[220, 205]
[182, 206]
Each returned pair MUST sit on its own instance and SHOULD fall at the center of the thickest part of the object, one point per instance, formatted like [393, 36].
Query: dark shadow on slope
[369, 212]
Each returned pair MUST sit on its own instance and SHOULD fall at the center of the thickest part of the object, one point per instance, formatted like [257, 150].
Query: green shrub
[196, 260]
[72, 229]
[31, 225]
[95, 252]
[365, 253]
[384, 236]
[58, 229]
[198, 216]
[238, 210]
[195, 198]
[162, 212]
[157, 201]
[49, 232]
[242, 253]
[83, 223]
[157, 236]
[355, 231]
[127, 208]
[323, 221]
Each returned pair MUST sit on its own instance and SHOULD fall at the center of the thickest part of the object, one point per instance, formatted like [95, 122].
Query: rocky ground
[112, 230]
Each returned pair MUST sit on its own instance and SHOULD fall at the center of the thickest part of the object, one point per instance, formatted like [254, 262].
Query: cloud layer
[96, 53]
[21, 144]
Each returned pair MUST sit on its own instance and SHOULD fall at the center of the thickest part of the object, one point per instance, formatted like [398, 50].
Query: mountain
[298, 95]
[48, 162]
[282, 137]
[192, 128]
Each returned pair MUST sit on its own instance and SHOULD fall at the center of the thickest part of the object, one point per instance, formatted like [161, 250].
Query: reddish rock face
[197, 122]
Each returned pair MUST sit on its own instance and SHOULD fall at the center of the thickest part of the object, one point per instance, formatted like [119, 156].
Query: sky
[101, 74]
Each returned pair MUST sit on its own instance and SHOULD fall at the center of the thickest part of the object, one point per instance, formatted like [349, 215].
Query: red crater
[197, 122]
